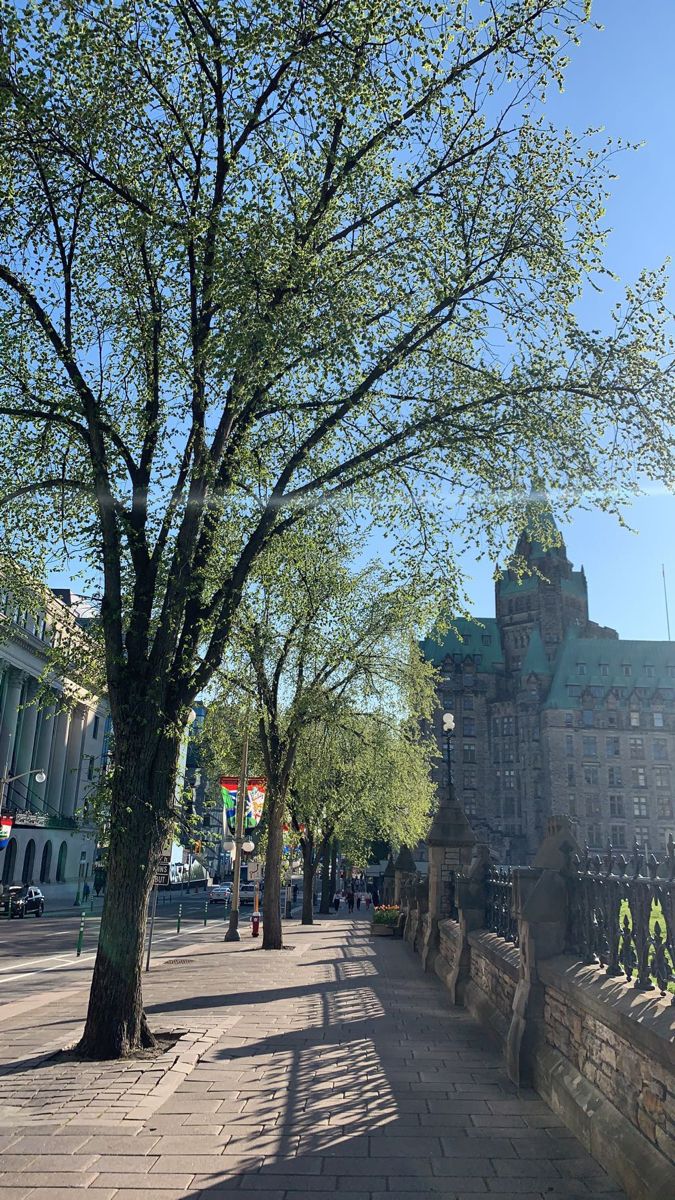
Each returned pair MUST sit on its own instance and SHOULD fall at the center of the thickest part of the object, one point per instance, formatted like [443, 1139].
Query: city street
[37, 955]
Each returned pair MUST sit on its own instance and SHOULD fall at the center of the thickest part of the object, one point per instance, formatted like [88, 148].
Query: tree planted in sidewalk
[260, 258]
[360, 777]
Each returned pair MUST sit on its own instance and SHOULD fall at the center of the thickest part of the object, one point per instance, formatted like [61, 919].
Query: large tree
[260, 257]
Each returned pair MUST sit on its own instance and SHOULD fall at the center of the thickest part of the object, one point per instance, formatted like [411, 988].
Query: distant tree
[257, 258]
[359, 777]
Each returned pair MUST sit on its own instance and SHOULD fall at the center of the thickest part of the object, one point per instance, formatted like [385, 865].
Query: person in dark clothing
[376, 897]
[336, 901]
[350, 901]
[358, 901]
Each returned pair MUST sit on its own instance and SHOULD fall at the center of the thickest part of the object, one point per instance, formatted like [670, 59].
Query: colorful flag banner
[6, 823]
[254, 803]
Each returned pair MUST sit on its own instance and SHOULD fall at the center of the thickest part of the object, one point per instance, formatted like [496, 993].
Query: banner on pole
[6, 823]
[253, 805]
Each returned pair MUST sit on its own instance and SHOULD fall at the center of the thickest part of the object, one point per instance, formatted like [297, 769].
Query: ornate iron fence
[621, 915]
[499, 916]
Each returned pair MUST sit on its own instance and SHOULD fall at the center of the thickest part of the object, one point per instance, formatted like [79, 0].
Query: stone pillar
[73, 761]
[58, 762]
[23, 760]
[451, 841]
[10, 719]
[540, 902]
[43, 748]
[404, 869]
[471, 905]
[388, 882]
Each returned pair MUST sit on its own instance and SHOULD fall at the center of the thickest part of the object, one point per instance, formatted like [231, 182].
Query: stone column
[388, 878]
[43, 748]
[471, 904]
[58, 762]
[404, 868]
[540, 901]
[23, 760]
[73, 761]
[10, 718]
[451, 841]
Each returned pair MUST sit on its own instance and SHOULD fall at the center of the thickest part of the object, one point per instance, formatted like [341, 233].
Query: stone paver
[335, 1067]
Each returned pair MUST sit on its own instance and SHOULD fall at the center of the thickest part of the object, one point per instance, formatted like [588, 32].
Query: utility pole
[233, 934]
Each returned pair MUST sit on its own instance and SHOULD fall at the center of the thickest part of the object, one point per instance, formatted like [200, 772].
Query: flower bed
[387, 915]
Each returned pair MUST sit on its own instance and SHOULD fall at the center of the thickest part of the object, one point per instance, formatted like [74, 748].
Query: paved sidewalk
[341, 1070]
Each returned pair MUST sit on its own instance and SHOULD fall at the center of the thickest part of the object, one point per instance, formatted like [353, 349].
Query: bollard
[80, 936]
[180, 910]
[91, 903]
[206, 911]
[255, 925]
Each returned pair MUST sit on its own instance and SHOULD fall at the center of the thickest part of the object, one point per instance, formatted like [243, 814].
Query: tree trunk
[308, 868]
[272, 936]
[333, 869]
[116, 1023]
[326, 897]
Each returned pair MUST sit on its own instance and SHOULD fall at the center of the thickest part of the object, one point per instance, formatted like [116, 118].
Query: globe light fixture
[247, 846]
[40, 776]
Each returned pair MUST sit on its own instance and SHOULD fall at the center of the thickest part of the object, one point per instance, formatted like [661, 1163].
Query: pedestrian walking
[336, 901]
[376, 897]
[350, 901]
[358, 901]
[85, 892]
[367, 901]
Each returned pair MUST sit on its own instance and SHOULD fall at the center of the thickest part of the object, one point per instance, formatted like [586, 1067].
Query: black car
[23, 899]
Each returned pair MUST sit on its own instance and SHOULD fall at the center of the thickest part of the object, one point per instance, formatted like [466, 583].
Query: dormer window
[486, 639]
[649, 671]
[604, 670]
[581, 668]
[625, 667]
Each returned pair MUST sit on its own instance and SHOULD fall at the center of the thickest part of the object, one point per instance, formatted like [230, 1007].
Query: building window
[94, 732]
[642, 836]
[469, 752]
[625, 668]
[469, 777]
[662, 777]
[469, 726]
[573, 690]
[637, 747]
[649, 671]
[618, 836]
[590, 775]
[592, 801]
[660, 750]
[634, 719]
[91, 766]
[507, 726]
[664, 807]
[640, 806]
[594, 834]
[572, 803]
[581, 668]
[509, 779]
[611, 720]
[570, 775]
[638, 776]
[617, 807]
[614, 777]
[604, 670]
[569, 745]
[658, 720]
[590, 747]
[486, 639]
[612, 747]
[569, 720]
[467, 701]
[587, 718]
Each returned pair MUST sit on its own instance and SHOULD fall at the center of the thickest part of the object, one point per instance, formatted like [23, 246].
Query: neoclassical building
[555, 714]
[49, 725]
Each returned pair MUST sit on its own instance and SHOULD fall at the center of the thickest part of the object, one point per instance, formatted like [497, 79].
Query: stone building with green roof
[555, 714]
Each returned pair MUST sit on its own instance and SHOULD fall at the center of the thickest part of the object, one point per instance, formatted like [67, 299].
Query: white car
[220, 893]
[247, 893]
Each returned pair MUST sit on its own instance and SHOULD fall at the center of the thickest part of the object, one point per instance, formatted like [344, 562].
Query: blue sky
[622, 79]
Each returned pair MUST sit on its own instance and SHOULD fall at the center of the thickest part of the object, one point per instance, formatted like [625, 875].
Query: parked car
[247, 893]
[220, 893]
[23, 899]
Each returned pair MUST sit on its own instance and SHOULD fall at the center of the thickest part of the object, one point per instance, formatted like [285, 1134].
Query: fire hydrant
[255, 925]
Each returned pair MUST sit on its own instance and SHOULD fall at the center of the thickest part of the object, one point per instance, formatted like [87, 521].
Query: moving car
[220, 893]
[23, 899]
[247, 893]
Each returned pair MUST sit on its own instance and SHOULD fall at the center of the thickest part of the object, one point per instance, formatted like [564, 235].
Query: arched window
[10, 862]
[61, 864]
[28, 863]
[45, 865]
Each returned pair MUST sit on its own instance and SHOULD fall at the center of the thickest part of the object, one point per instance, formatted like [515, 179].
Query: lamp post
[233, 934]
[39, 774]
[448, 730]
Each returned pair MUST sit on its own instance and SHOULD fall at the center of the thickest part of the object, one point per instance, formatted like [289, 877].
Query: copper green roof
[536, 662]
[608, 663]
[477, 639]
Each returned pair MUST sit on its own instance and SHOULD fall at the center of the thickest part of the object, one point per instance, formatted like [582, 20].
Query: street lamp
[39, 774]
[448, 730]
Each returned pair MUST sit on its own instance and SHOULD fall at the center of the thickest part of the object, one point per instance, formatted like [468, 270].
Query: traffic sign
[162, 871]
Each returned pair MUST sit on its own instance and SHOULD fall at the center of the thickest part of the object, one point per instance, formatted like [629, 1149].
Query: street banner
[255, 800]
[6, 823]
